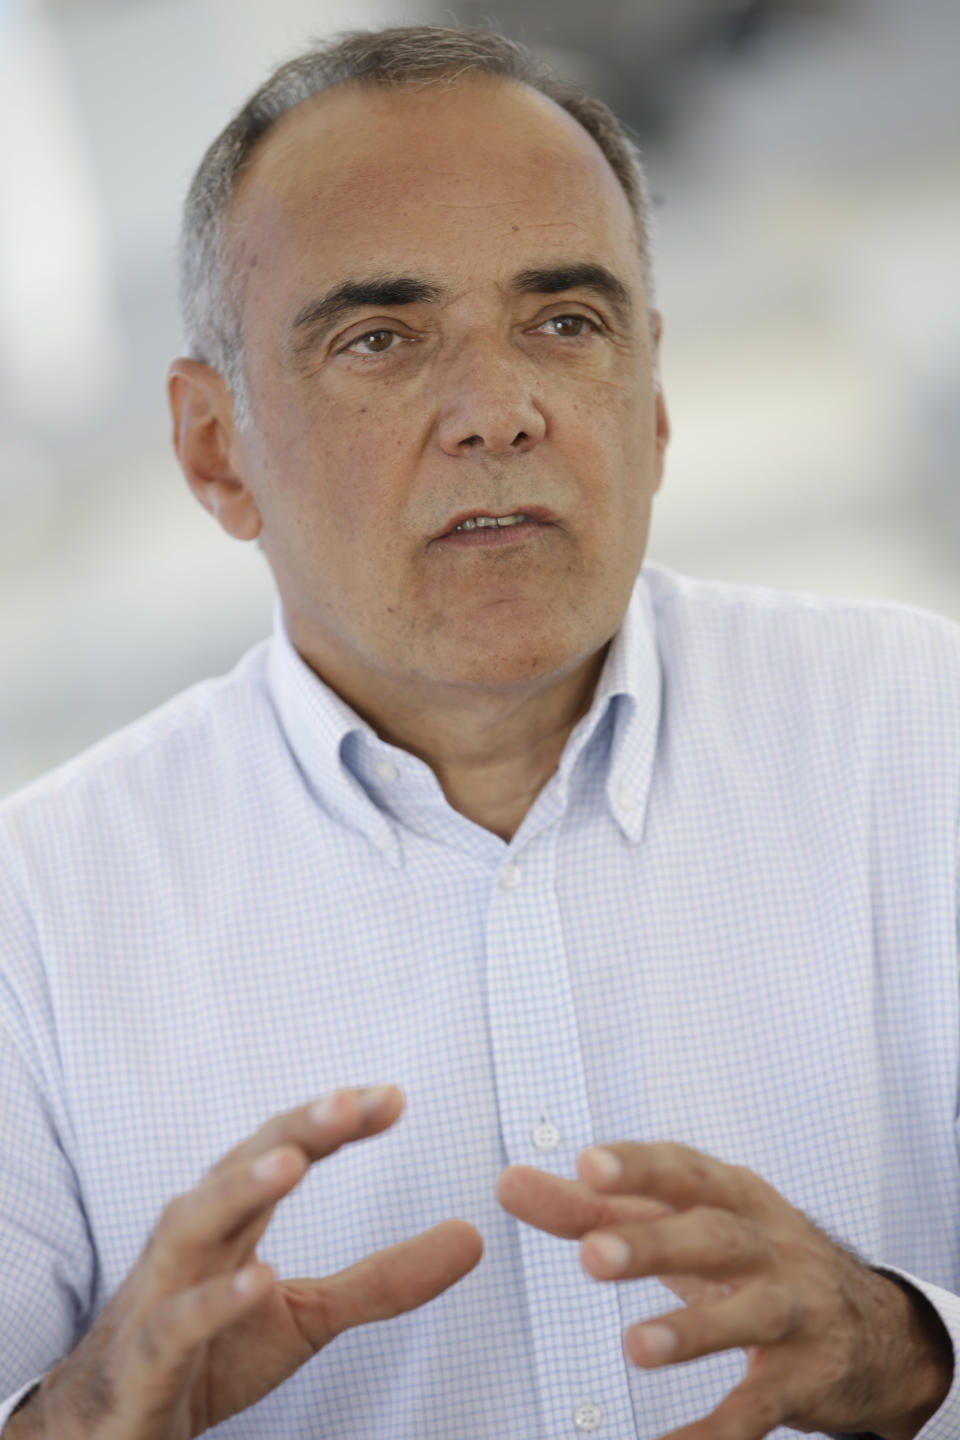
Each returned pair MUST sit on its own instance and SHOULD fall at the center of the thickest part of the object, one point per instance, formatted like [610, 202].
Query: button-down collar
[363, 779]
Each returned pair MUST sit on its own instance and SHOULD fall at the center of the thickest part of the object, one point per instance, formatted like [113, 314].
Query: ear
[208, 447]
[660, 405]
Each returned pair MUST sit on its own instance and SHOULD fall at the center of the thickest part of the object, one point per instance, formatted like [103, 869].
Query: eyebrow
[319, 315]
[557, 279]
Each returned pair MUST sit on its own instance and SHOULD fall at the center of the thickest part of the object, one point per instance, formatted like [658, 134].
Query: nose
[486, 406]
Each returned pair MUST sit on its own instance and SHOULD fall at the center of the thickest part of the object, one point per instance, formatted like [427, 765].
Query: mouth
[496, 525]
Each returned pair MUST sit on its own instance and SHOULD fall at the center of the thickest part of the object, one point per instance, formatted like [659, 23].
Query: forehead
[366, 175]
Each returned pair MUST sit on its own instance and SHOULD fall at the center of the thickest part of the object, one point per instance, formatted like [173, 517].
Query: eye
[571, 327]
[374, 342]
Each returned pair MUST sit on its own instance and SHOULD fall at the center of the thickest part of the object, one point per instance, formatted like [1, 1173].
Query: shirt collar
[633, 671]
[318, 724]
[630, 688]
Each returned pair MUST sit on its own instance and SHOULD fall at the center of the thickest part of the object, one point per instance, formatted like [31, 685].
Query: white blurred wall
[809, 251]
[808, 235]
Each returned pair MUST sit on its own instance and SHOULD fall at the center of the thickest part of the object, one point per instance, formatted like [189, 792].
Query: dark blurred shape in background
[643, 54]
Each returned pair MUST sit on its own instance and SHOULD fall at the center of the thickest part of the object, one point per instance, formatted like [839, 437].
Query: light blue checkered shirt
[730, 919]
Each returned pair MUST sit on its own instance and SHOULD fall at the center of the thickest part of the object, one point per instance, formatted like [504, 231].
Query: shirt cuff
[10, 1404]
[944, 1424]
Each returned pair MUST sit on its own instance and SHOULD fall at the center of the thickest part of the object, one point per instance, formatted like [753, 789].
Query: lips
[533, 514]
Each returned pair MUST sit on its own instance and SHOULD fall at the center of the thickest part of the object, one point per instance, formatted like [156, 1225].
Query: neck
[492, 752]
[492, 765]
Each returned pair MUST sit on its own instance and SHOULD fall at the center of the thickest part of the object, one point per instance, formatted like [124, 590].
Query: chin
[520, 663]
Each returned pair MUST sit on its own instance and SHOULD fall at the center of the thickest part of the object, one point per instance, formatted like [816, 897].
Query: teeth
[489, 522]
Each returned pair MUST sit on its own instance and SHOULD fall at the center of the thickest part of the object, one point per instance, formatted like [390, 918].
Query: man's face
[444, 320]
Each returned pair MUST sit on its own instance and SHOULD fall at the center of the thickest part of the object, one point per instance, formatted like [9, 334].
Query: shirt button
[509, 876]
[587, 1417]
[385, 771]
[545, 1136]
[626, 799]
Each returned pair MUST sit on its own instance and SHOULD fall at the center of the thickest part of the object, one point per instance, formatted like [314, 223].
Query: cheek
[613, 431]
[324, 461]
[359, 466]
[638, 471]
[351, 502]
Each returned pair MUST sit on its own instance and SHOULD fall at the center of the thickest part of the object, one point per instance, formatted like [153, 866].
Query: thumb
[384, 1284]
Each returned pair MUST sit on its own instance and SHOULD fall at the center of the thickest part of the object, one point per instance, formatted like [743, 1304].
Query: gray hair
[402, 55]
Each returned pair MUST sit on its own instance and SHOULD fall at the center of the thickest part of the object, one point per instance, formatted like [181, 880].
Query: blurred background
[805, 158]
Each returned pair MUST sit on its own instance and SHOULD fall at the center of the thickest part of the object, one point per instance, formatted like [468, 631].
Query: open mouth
[486, 527]
[488, 522]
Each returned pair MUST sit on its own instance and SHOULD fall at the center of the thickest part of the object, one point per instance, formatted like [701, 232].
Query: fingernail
[613, 1252]
[321, 1111]
[605, 1166]
[268, 1166]
[657, 1342]
[373, 1098]
[247, 1280]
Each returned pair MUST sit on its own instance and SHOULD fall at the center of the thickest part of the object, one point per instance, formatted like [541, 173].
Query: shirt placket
[545, 1122]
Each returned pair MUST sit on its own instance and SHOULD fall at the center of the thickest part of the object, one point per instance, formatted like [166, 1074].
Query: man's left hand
[831, 1344]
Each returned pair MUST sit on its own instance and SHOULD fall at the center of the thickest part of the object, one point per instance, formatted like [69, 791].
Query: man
[644, 890]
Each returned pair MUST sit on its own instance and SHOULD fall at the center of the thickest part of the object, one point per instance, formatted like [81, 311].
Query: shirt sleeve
[945, 1423]
[46, 1257]
[12, 1402]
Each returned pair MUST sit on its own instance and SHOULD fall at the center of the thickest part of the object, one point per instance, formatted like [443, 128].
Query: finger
[180, 1324]
[694, 1291]
[568, 1208]
[749, 1412]
[323, 1125]
[674, 1174]
[385, 1284]
[226, 1205]
[234, 1202]
[758, 1314]
[702, 1241]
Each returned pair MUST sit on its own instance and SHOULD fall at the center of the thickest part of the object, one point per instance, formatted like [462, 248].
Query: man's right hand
[199, 1329]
